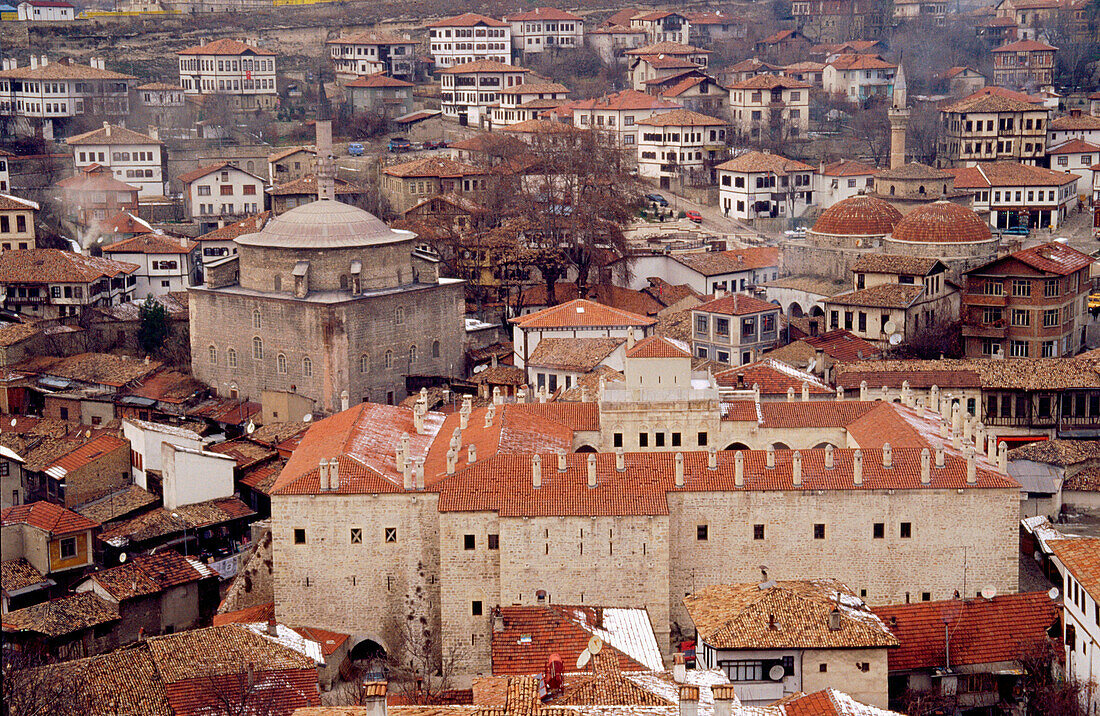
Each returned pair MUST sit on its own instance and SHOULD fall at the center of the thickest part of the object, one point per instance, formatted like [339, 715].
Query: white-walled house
[619, 113]
[193, 475]
[663, 26]
[221, 193]
[145, 446]
[1077, 559]
[1009, 194]
[167, 263]
[231, 68]
[762, 185]
[858, 77]
[369, 53]
[579, 318]
[133, 157]
[1075, 156]
[755, 101]
[545, 29]
[1075, 125]
[680, 144]
[520, 103]
[844, 179]
[469, 37]
[706, 272]
[46, 11]
[470, 89]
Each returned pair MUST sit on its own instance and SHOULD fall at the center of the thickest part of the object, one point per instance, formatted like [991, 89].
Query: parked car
[694, 216]
[355, 149]
[656, 199]
[1017, 231]
[399, 144]
[435, 144]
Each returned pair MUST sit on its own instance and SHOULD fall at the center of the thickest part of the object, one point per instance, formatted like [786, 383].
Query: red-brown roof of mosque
[942, 222]
[858, 215]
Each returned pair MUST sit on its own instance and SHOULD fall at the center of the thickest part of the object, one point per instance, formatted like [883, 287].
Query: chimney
[374, 698]
[790, 395]
[679, 469]
[467, 404]
[585, 397]
[154, 132]
[796, 468]
[920, 408]
[840, 392]
[536, 471]
[925, 467]
[679, 668]
[592, 470]
[452, 458]
[979, 437]
[945, 406]
[333, 474]
[805, 391]
[272, 627]
[940, 457]
[456, 438]
[322, 472]
[620, 459]
[326, 162]
[934, 398]
[770, 457]
[629, 337]
[945, 428]
[956, 419]
[498, 399]
[471, 454]
[829, 460]
[463, 419]
[857, 467]
[724, 698]
[834, 619]
[562, 465]
[887, 456]
[489, 415]
[521, 394]
[420, 474]
[43, 61]
[107, 128]
[739, 469]
[971, 467]
[498, 621]
[1002, 457]
[991, 447]
[689, 700]
[863, 390]
[34, 62]
[418, 419]
[712, 457]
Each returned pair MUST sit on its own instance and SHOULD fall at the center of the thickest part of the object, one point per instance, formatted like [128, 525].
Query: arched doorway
[737, 446]
[781, 446]
[817, 311]
[795, 310]
[369, 657]
[586, 448]
[822, 446]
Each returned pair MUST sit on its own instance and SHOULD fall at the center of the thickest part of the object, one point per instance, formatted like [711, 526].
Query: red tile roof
[848, 168]
[86, 454]
[859, 215]
[188, 177]
[658, 347]
[682, 118]
[543, 13]
[1055, 258]
[736, 304]
[620, 297]
[432, 167]
[624, 101]
[468, 19]
[248, 615]
[1010, 174]
[579, 417]
[942, 222]
[147, 574]
[816, 414]
[152, 244]
[773, 378]
[330, 641]
[827, 702]
[226, 46]
[57, 266]
[768, 82]
[482, 66]
[842, 345]
[983, 631]
[1074, 146]
[1081, 556]
[756, 162]
[48, 517]
[1025, 46]
[860, 62]
[378, 80]
[714, 263]
[580, 313]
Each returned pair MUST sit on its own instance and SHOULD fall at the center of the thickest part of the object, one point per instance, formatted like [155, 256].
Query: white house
[579, 318]
[469, 37]
[167, 263]
[663, 26]
[527, 101]
[545, 28]
[219, 242]
[1075, 156]
[843, 179]
[221, 193]
[46, 11]
[470, 89]
[145, 446]
[231, 68]
[1077, 559]
[5, 173]
[706, 272]
[1075, 125]
[135, 158]
[770, 103]
[762, 185]
[680, 144]
[663, 60]
[369, 53]
[1012, 194]
[619, 113]
[192, 475]
[858, 77]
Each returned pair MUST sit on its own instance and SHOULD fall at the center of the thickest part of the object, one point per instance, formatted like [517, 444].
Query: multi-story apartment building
[53, 284]
[734, 329]
[370, 53]
[93, 196]
[545, 29]
[135, 158]
[520, 103]
[468, 38]
[16, 223]
[407, 184]
[1077, 157]
[762, 185]
[1029, 304]
[162, 103]
[1012, 194]
[1024, 64]
[47, 94]
[579, 318]
[663, 26]
[165, 263]
[470, 89]
[681, 145]
[219, 194]
[859, 77]
[619, 113]
[241, 71]
[770, 106]
[993, 124]
[1077, 558]
[663, 59]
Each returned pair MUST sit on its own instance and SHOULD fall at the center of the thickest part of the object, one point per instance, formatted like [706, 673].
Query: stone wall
[842, 671]
[105, 474]
[385, 266]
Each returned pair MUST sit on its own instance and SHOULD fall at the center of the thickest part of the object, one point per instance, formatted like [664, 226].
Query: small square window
[643, 439]
[494, 541]
[357, 535]
[68, 548]
[879, 530]
[823, 668]
[758, 531]
[391, 534]
[617, 440]
[819, 531]
[659, 439]
[926, 596]
[676, 440]
[863, 594]
[299, 536]
[906, 530]
[702, 439]
[701, 533]
[469, 542]
[475, 608]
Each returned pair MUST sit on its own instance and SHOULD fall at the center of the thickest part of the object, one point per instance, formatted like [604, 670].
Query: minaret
[326, 162]
[899, 119]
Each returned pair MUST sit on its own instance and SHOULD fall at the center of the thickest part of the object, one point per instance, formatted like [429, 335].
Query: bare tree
[940, 340]
[31, 688]
[419, 668]
[871, 129]
[250, 693]
[1041, 692]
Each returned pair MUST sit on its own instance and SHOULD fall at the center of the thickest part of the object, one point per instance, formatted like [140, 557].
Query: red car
[694, 216]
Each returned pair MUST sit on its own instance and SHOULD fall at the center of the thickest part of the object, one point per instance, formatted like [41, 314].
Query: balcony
[982, 299]
[25, 300]
[998, 329]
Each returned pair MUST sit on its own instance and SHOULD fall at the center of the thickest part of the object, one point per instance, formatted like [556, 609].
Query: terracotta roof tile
[773, 377]
[1081, 556]
[899, 264]
[848, 168]
[117, 135]
[859, 215]
[62, 70]
[117, 504]
[1078, 122]
[85, 454]
[983, 631]
[1054, 257]
[579, 354]
[885, 295]
[543, 13]
[147, 574]
[226, 46]
[828, 702]
[579, 417]
[580, 312]
[98, 368]
[842, 345]
[995, 99]
[251, 225]
[14, 203]
[47, 517]
[159, 522]
[620, 297]
[942, 222]
[769, 82]
[988, 174]
[659, 347]
[1058, 452]
[668, 47]
[755, 162]
[682, 118]
[199, 173]
[433, 167]
[989, 373]
[330, 641]
[817, 413]
[624, 101]
[57, 266]
[1074, 146]
[88, 181]
[853, 61]
[152, 244]
[308, 185]
[736, 304]
[482, 66]
[1025, 46]
[16, 574]
[59, 617]
[248, 615]
[468, 19]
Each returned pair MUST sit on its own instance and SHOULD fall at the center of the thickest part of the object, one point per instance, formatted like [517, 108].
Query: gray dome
[325, 224]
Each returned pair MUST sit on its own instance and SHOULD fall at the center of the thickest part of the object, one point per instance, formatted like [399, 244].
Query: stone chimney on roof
[107, 128]
[724, 697]
[629, 337]
[940, 456]
[712, 457]
[796, 468]
[1002, 457]
[34, 62]
[769, 455]
[679, 469]
[452, 459]
[857, 467]
[863, 390]
[322, 473]
[536, 471]
[887, 456]
[562, 465]
[925, 467]
[679, 668]
[971, 468]
[333, 474]
[419, 476]
[805, 391]
[739, 469]
[592, 470]
[829, 459]
[374, 698]
[689, 700]
[471, 454]
[620, 459]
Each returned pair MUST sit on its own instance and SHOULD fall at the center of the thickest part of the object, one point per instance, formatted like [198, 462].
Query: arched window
[256, 322]
[280, 364]
[257, 348]
[232, 358]
[307, 367]
[920, 189]
[891, 190]
[399, 315]
[213, 353]
[412, 354]
[250, 165]
[278, 282]
[364, 363]
[435, 349]
[388, 362]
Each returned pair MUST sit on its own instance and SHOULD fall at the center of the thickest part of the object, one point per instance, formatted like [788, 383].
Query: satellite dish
[250, 428]
[87, 434]
[989, 591]
[1053, 594]
[777, 672]
[889, 327]
[307, 418]
[583, 659]
[595, 645]
[895, 339]
[14, 422]
[122, 557]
